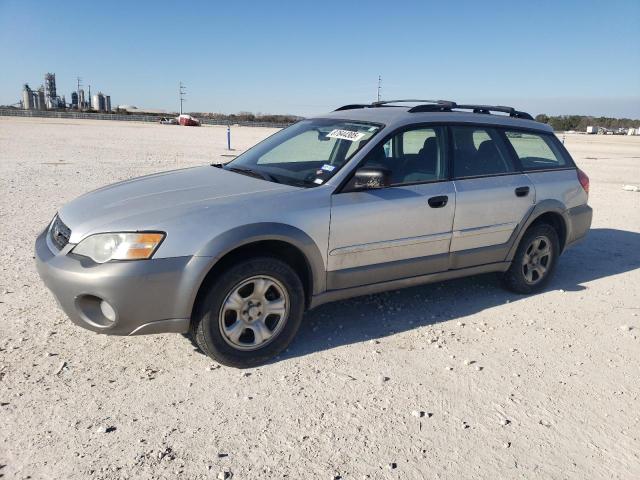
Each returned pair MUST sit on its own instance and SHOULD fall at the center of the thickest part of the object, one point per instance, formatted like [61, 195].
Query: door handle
[439, 201]
[522, 191]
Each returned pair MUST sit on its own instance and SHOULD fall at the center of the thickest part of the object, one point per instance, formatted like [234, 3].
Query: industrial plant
[46, 98]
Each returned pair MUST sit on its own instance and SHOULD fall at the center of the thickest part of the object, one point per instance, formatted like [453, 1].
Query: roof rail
[496, 108]
[387, 102]
[352, 106]
[384, 103]
[438, 106]
[441, 106]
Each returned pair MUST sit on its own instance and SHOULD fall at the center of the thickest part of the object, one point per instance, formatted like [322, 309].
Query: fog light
[108, 311]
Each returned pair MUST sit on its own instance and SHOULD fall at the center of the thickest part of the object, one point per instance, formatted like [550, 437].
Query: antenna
[182, 93]
[379, 86]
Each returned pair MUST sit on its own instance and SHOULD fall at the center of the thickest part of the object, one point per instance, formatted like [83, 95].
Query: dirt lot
[453, 380]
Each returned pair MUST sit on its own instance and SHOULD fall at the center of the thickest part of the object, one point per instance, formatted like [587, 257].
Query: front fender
[224, 243]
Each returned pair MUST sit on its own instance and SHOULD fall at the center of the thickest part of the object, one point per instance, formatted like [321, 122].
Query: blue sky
[303, 57]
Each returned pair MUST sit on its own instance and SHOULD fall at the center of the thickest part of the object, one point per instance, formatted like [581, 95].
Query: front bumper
[146, 296]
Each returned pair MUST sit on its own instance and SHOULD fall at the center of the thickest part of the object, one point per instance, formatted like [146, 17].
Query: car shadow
[605, 252]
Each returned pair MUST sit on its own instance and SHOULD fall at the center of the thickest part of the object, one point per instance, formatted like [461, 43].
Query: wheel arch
[551, 212]
[557, 221]
[285, 242]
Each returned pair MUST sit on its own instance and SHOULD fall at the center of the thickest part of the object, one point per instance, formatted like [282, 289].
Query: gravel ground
[452, 380]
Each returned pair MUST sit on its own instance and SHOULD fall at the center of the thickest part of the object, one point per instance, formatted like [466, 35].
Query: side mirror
[369, 179]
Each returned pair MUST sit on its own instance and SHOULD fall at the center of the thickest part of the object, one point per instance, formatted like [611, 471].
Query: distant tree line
[247, 117]
[563, 123]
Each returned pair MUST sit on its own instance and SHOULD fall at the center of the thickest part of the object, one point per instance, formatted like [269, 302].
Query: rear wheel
[534, 261]
[250, 313]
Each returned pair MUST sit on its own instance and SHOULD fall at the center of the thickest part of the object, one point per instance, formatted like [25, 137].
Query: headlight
[119, 246]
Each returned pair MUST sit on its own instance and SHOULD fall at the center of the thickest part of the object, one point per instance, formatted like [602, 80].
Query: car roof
[395, 116]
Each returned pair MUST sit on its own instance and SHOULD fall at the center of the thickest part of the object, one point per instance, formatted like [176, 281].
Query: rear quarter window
[536, 151]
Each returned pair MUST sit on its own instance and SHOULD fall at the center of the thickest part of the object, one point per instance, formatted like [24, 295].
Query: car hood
[152, 199]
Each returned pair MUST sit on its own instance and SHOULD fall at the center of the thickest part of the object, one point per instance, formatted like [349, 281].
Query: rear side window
[536, 152]
[479, 151]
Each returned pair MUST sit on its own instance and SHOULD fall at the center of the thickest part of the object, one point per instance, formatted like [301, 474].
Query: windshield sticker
[345, 135]
[328, 168]
[318, 181]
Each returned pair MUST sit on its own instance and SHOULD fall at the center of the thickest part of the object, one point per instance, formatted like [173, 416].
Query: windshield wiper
[253, 173]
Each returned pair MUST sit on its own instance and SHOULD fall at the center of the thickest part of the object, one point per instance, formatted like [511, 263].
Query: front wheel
[250, 313]
[534, 261]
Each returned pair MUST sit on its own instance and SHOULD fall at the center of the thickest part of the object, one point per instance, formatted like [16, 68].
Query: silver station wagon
[367, 198]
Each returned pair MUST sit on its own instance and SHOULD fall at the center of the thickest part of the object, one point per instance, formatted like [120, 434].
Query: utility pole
[182, 92]
[379, 86]
[89, 99]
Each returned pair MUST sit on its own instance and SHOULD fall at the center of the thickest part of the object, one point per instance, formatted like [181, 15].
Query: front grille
[59, 233]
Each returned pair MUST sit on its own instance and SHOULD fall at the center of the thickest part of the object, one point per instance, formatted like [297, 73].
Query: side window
[535, 151]
[479, 151]
[412, 156]
[480, 136]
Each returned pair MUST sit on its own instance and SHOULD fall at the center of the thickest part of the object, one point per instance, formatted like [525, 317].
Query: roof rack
[352, 106]
[381, 103]
[386, 103]
[441, 106]
[496, 108]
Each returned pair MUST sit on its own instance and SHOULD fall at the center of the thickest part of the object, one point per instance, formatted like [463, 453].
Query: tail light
[584, 180]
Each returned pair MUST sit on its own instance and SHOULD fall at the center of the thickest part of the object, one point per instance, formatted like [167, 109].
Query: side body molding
[224, 243]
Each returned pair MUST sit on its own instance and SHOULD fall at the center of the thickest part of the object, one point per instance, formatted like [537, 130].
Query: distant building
[50, 92]
[41, 99]
[98, 102]
[95, 102]
[81, 101]
[27, 97]
[46, 98]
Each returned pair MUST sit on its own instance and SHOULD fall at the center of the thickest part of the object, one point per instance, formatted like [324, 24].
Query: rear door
[400, 231]
[492, 196]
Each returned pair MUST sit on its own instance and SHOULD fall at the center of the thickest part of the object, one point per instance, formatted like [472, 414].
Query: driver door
[399, 231]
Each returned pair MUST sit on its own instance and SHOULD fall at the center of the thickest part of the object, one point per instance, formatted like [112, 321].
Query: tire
[531, 270]
[250, 312]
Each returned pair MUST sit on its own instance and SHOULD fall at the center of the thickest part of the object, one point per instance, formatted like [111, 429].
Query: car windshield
[307, 153]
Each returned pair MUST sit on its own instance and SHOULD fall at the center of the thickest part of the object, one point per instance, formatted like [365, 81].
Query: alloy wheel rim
[254, 312]
[536, 260]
